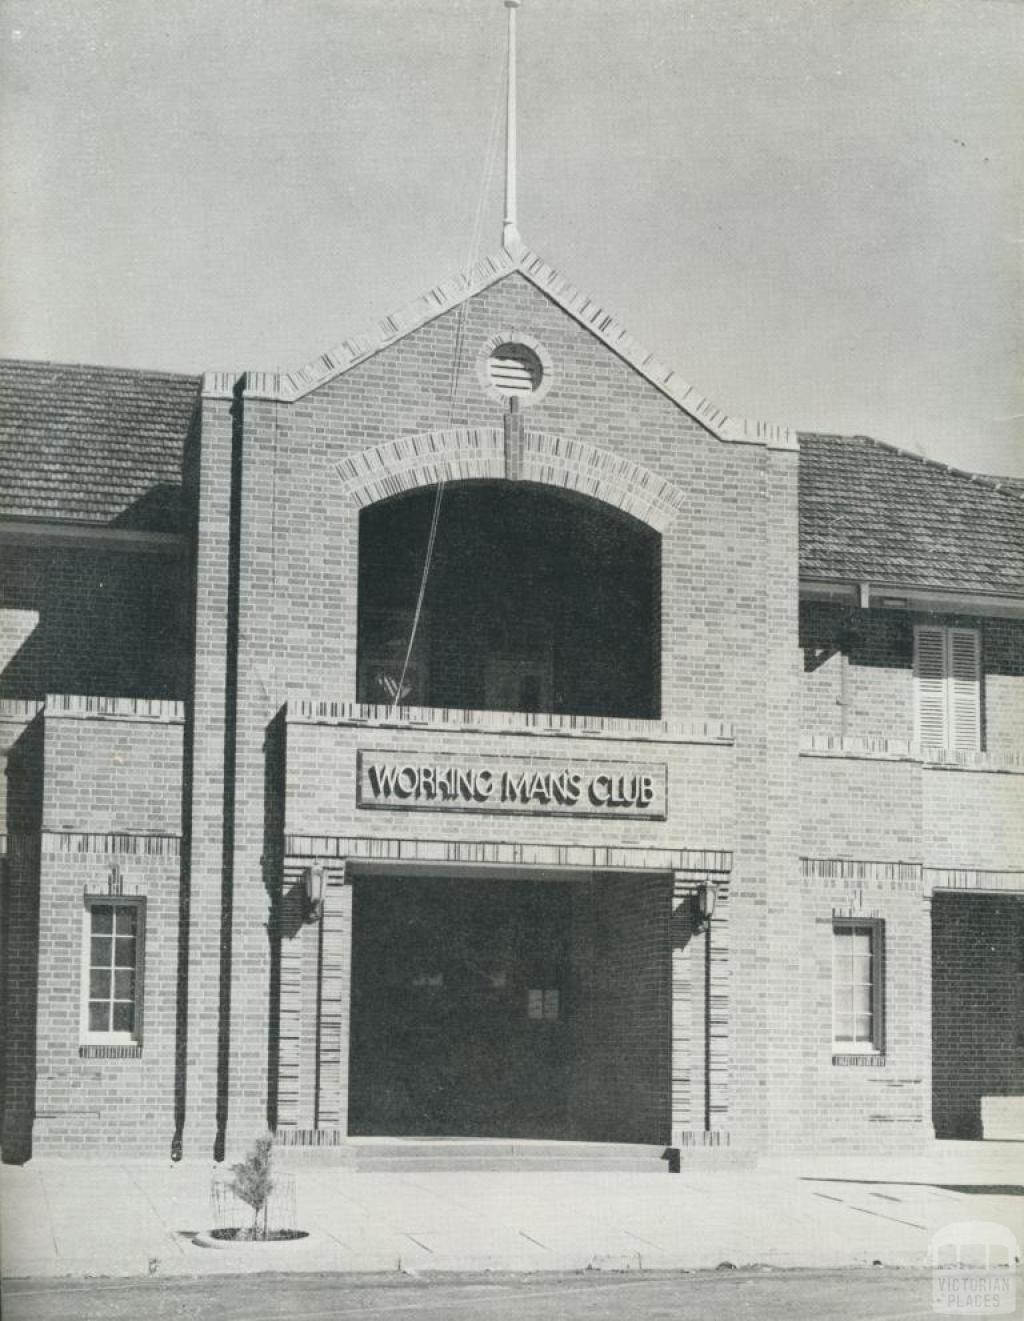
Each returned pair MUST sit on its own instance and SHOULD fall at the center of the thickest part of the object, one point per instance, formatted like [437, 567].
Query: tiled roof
[93, 444]
[103, 445]
[873, 513]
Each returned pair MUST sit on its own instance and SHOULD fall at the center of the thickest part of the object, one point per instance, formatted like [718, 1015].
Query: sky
[811, 209]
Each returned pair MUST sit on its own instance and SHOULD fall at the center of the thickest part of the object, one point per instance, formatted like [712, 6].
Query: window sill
[864, 1059]
[95, 1051]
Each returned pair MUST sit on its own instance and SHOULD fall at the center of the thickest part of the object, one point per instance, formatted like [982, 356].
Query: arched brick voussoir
[575, 465]
[460, 454]
[456, 454]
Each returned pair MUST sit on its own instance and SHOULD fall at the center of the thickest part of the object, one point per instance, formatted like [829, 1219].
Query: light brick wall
[102, 782]
[123, 1105]
[854, 1102]
[875, 648]
[275, 554]
[297, 594]
[112, 773]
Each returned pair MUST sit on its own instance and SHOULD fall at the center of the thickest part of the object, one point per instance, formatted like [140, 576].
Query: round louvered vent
[514, 369]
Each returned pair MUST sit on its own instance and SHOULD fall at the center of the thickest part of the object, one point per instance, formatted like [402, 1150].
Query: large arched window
[537, 600]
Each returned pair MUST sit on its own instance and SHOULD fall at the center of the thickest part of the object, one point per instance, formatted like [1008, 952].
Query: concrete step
[404, 1155]
[493, 1165]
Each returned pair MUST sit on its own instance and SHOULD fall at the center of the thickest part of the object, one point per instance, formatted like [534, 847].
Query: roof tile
[872, 513]
[93, 444]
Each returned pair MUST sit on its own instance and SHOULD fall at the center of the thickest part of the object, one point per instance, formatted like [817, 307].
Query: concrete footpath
[123, 1217]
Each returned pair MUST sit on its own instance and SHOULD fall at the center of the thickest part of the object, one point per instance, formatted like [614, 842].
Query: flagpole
[510, 239]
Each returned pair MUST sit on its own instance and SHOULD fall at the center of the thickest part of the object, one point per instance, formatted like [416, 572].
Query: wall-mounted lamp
[314, 880]
[704, 900]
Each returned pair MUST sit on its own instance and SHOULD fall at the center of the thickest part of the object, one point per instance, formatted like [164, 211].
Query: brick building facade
[290, 841]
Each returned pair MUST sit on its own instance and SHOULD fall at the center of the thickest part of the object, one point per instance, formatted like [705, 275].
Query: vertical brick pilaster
[207, 737]
[687, 1011]
[335, 1004]
[701, 1020]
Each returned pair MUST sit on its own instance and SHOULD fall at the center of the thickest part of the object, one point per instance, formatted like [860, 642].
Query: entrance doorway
[462, 1007]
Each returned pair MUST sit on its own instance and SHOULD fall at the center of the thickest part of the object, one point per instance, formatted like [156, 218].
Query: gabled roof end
[287, 387]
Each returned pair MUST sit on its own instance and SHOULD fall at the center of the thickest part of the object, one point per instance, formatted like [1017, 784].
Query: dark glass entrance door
[459, 1008]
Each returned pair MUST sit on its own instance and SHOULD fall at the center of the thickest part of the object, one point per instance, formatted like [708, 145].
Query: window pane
[861, 940]
[124, 1017]
[99, 1016]
[862, 969]
[843, 1000]
[124, 985]
[102, 919]
[861, 999]
[100, 951]
[99, 984]
[126, 920]
[863, 1032]
[125, 952]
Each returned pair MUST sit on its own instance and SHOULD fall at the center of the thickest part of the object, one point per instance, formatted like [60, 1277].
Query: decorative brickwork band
[577, 466]
[316, 711]
[136, 846]
[110, 1052]
[157, 709]
[454, 455]
[951, 878]
[313, 1014]
[335, 978]
[287, 387]
[505, 854]
[467, 453]
[850, 873]
[19, 708]
[21, 849]
[899, 749]
[700, 1008]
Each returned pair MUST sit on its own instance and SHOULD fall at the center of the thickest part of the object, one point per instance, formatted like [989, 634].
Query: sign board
[534, 785]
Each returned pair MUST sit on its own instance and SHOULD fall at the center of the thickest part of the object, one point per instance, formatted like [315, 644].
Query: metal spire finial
[510, 239]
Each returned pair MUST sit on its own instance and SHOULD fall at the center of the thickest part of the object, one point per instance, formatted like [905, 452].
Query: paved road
[755, 1295]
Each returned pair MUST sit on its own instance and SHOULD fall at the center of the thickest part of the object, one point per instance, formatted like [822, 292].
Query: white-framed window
[947, 686]
[857, 978]
[543, 1003]
[113, 948]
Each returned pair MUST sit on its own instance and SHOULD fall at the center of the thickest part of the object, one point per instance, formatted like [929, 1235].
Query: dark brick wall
[109, 623]
[623, 1075]
[978, 1007]
[19, 873]
[1003, 651]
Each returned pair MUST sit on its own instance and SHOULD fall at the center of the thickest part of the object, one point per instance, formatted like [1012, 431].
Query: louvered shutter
[930, 670]
[964, 689]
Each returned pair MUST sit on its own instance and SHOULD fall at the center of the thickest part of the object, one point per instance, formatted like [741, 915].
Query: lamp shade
[707, 897]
